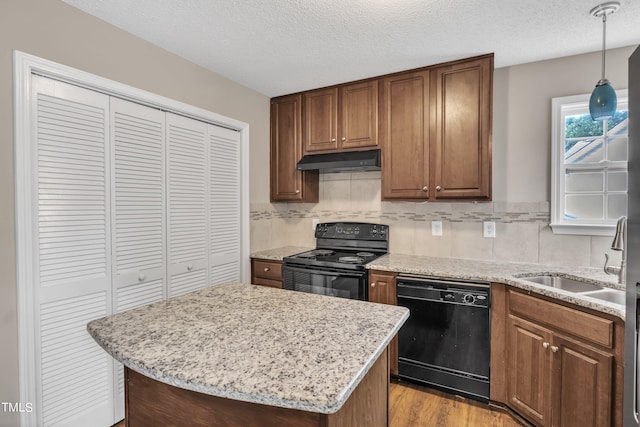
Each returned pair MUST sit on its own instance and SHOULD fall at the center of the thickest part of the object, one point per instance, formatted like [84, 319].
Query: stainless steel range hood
[350, 161]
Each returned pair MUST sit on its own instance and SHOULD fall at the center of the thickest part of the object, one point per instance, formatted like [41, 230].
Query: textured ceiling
[283, 46]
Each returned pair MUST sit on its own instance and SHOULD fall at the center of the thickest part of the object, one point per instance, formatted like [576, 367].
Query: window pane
[617, 181]
[619, 125]
[584, 206]
[581, 126]
[617, 206]
[576, 182]
[618, 149]
[584, 151]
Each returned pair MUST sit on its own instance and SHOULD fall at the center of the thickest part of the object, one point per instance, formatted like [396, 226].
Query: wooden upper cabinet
[404, 135]
[358, 115]
[287, 183]
[321, 120]
[461, 141]
[435, 131]
[341, 118]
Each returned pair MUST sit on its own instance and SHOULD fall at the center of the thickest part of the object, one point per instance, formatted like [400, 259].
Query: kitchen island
[238, 354]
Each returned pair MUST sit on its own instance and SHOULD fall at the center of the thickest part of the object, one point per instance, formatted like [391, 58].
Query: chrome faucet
[618, 244]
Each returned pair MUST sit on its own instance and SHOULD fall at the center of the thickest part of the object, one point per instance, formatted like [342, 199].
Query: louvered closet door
[138, 212]
[71, 253]
[224, 204]
[187, 204]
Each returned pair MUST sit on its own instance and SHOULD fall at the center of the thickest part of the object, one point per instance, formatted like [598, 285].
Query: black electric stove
[337, 266]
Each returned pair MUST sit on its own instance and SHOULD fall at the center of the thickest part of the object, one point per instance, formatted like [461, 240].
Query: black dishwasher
[446, 342]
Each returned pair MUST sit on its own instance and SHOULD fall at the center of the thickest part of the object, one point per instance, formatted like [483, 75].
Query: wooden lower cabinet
[529, 381]
[266, 273]
[561, 365]
[382, 289]
[149, 402]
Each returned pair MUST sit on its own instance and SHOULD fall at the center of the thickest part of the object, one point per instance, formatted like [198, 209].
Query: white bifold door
[130, 205]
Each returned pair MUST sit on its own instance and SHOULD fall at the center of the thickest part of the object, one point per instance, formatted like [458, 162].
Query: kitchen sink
[567, 284]
[611, 295]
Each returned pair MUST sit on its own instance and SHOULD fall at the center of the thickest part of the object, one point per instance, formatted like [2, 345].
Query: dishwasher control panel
[464, 293]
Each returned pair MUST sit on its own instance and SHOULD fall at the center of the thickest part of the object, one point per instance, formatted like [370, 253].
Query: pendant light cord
[604, 41]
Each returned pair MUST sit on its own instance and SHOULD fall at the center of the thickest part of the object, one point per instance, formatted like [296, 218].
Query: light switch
[436, 228]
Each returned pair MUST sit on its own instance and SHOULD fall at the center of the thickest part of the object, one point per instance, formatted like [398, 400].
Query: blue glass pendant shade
[603, 101]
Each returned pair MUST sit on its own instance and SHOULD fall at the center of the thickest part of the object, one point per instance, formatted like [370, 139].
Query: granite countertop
[513, 274]
[277, 254]
[253, 343]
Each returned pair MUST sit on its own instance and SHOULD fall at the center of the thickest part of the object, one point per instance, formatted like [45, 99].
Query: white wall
[55, 31]
[521, 182]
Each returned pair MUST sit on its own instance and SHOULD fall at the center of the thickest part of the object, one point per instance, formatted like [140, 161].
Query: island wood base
[152, 403]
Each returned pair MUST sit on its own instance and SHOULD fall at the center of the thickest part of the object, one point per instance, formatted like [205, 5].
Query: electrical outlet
[436, 228]
[314, 222]
[489, 228]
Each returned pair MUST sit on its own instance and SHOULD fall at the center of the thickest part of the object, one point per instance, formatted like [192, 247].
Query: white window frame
[558, 224]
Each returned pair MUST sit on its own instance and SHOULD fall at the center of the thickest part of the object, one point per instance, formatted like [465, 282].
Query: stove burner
[364, 254]
[350, 259]
[310, 254]
[324, 252]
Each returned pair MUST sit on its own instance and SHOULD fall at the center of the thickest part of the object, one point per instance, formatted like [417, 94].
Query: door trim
[24, 65]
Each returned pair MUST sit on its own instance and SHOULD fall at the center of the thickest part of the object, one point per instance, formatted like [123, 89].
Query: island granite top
[510, 273]
[253, 343]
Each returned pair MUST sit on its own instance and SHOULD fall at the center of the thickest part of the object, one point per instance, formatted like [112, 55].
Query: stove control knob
[357, 230]
[449, 297]
[469, 299]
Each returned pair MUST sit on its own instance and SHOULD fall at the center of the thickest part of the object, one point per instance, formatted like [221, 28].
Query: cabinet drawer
[270, 270]
[584, 325]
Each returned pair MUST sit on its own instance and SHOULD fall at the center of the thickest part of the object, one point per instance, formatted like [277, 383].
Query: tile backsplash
[522, 229]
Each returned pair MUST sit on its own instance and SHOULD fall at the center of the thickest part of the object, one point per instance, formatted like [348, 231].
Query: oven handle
[325, 272]
[433, 280]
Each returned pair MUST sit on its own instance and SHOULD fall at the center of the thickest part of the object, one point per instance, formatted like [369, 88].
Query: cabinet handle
[545, 344]
[141, 277]
[425, 188]
[373, 285]
[438, 188]
[267, 269]
[297, 191]
[554, 348]
[333, 140]
[344, 138]
[190, 267]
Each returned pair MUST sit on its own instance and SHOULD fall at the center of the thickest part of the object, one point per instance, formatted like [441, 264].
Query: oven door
[343, 284]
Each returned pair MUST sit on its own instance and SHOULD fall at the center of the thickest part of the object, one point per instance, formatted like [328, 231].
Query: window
[589, 167]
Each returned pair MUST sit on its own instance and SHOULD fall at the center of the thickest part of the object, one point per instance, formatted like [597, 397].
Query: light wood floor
[413, 405]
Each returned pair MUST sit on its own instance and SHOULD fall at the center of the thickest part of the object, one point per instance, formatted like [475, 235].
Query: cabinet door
[287, 183]
[382, 289]
[69, 191]
[187, 184]
[529, 369]
[224, 204]
[404, 136]
[582, 385]
[461, 142]
[138, 212]
[320, 112]
[359, 115]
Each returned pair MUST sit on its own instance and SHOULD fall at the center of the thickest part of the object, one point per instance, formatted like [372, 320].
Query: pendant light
[603, 102]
